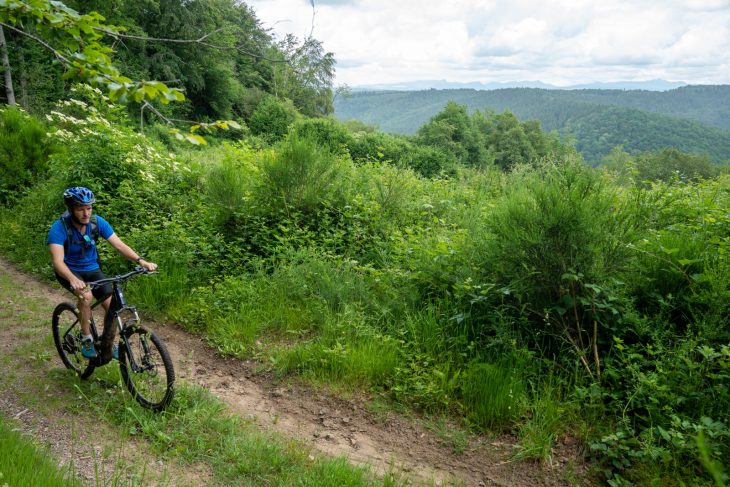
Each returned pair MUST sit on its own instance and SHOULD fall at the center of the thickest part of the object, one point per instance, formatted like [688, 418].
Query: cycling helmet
[78, 196]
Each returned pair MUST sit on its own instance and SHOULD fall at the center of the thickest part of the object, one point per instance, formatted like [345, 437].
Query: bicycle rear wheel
[67, 337]
[146, 368]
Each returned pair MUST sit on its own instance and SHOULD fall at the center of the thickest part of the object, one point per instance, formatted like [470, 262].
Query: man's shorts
[99, 292]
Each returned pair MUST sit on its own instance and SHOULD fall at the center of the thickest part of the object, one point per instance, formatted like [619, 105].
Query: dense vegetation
[692, 119]
[552, 299]
[478, 269]
[215, 51]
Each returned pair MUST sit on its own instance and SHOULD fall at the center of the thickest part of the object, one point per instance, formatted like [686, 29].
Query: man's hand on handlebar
[148, 266]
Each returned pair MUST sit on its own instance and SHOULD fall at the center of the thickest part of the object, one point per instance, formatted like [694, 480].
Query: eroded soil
[329, 424]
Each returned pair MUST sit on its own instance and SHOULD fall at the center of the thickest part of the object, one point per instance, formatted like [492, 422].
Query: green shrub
[325, 132]
[681, 274]
[29, 220]
[661, 397]
[229, 181]
[301, 177]
[430, 161]
[272, 118]
[556, 243]
[99, 155]
[669, 164]
[24, 152]
[425, 160]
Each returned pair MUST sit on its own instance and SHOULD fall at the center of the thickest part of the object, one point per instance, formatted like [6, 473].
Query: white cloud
[557, 41]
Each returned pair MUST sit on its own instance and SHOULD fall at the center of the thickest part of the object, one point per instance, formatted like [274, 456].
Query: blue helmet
[78, 196]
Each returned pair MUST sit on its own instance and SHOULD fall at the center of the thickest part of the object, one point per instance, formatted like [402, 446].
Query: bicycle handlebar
[123, 277]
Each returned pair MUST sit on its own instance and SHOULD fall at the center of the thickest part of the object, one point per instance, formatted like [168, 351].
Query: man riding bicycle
[72, 244]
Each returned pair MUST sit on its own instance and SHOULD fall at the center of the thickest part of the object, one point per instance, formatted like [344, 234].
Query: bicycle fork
[131, 323]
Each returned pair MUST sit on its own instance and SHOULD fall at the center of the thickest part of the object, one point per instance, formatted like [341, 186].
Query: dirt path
[331, 425]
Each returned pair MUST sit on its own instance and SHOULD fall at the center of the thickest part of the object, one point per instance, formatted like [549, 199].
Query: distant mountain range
[694, 119]
[649, 85]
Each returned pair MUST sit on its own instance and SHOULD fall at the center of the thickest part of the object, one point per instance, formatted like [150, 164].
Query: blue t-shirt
[79, 257]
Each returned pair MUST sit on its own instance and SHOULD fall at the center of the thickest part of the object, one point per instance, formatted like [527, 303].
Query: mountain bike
[145, 364]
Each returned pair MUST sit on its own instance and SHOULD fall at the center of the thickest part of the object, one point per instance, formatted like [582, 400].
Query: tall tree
[306, 75]
[452, 130]
[9, 93]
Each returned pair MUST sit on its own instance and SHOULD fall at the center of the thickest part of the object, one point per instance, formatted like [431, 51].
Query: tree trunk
[6, 67]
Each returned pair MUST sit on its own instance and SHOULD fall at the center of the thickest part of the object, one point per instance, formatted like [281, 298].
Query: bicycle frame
[117, 307]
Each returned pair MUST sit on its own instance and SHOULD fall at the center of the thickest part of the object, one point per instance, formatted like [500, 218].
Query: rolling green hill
[692, 118]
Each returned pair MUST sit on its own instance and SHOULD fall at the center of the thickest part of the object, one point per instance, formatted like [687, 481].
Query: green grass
[346, 353]
[493, 394]
[24, 463]
[546, 421]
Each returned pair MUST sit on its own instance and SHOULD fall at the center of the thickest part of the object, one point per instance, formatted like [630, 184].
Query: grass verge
[24, 463]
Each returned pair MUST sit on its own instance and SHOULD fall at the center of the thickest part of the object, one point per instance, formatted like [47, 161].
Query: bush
[272, 118]
[301, 177]
[377, 146]
[661, 397]
[681, 275]
[430, 162]
[24, 152]
[556, 242]
[326, 133]
[668, 164]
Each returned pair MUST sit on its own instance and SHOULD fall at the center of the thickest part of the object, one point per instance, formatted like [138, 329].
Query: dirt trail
[329, 424]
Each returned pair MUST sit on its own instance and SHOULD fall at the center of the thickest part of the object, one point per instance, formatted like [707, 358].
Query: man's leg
[107, 345]
[84, 304]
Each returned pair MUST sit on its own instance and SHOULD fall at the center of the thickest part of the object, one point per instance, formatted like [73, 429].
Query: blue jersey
[79, 257]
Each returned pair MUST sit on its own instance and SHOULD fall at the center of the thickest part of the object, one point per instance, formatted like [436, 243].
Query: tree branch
[200, 41]
[170, 121]
[40, 41]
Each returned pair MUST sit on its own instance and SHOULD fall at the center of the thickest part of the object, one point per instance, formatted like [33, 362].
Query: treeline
[598, 121]
[216, 51]
[451, 140]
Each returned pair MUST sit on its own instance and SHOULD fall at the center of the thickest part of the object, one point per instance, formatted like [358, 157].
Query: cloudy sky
[562, 42]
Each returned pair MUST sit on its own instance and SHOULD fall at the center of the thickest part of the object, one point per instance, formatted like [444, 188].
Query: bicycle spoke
[147, 369]
[67, 336]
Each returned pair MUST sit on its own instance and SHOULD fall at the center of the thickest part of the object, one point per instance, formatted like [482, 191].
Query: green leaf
[195, 139]
[149, 91]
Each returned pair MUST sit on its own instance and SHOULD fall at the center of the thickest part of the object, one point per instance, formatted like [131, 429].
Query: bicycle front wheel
[67, 336]
[146, 368]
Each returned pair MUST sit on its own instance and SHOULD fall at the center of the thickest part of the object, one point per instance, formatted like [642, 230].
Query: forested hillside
[693, 118]
[215, 51]
[477, 272]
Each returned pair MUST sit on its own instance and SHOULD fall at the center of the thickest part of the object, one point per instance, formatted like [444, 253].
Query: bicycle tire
[67, 337]
[146, 368]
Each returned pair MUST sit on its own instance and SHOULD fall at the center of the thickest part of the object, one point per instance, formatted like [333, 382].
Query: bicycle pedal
[69, 344]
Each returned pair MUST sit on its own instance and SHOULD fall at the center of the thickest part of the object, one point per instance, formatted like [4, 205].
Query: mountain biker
[72, 244]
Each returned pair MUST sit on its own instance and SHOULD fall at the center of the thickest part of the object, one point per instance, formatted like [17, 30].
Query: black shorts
[99, 292]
